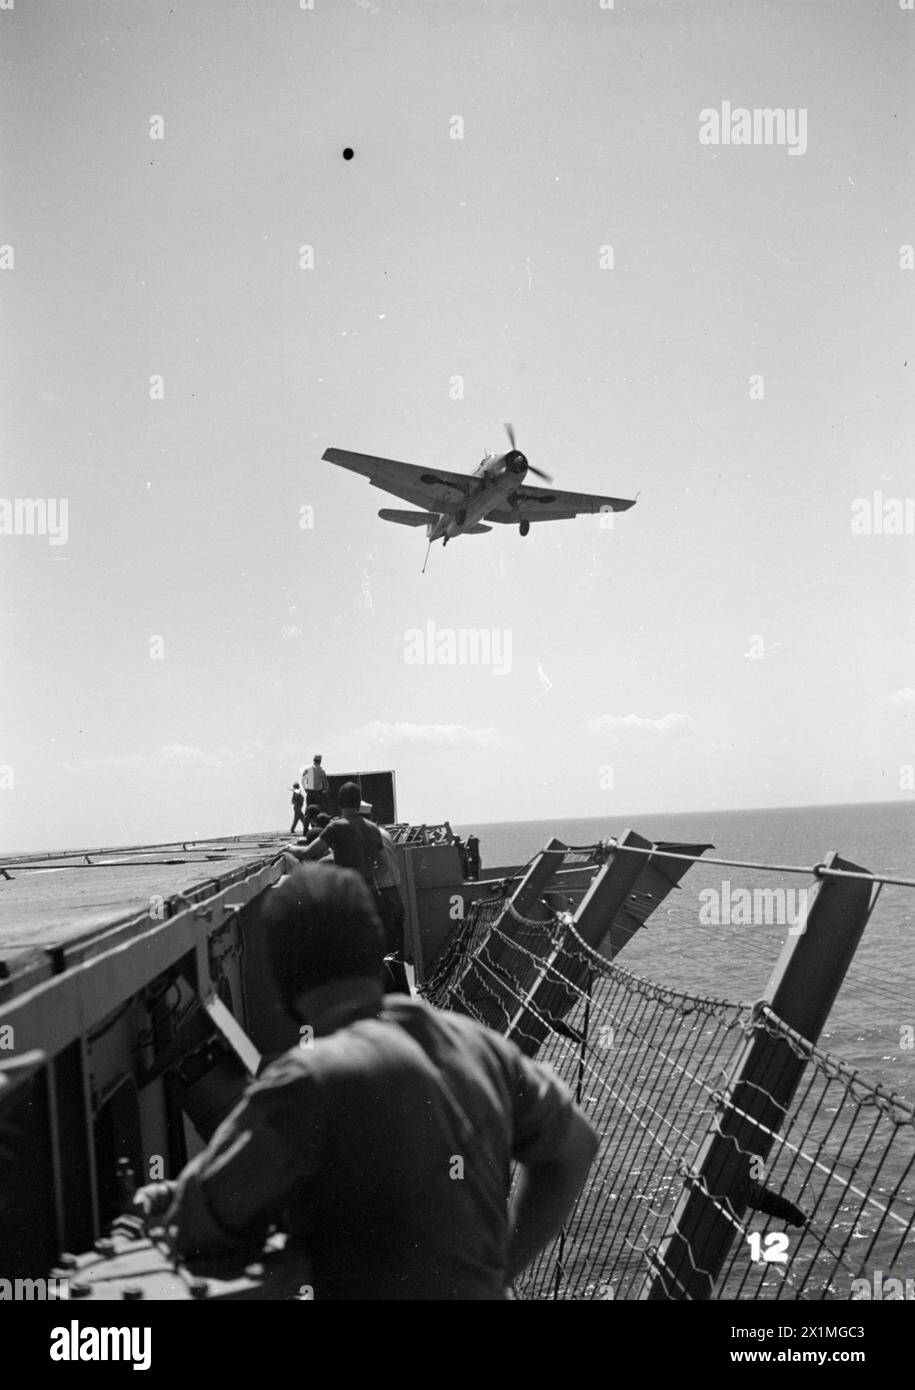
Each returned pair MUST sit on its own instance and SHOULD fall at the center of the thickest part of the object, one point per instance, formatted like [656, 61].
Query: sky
[221, 603]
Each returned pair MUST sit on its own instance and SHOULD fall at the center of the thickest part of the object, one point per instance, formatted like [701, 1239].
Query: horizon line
[534, 820]
[718, 810]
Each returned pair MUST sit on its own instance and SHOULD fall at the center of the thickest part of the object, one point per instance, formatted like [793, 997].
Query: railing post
[579, 1079]
[540, 872]
[481, 994]
[597, 918]
[659, 874]
[763, 1081]
[415, 943]
[599, 909]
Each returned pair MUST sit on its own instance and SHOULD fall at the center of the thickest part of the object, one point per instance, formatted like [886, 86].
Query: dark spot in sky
[347, 153]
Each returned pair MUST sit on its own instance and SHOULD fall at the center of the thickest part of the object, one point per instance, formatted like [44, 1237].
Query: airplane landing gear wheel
[460, 515]
[524, 527]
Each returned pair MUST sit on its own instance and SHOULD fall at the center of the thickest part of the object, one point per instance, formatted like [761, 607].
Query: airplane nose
[517, 463]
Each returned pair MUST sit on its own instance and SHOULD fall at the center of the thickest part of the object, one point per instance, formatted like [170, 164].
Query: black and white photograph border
[576, 965]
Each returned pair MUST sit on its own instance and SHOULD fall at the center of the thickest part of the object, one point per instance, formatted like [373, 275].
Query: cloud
[905, 696]
[172, 756]
[107, 762]
[636, 723]
[444, 735]
[169, 756]
[186, 756]
[180, 753]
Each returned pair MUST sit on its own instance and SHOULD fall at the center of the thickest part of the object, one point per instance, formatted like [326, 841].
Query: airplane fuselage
[492, 485]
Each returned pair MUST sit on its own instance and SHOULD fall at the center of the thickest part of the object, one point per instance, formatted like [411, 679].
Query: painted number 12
[776, 1248]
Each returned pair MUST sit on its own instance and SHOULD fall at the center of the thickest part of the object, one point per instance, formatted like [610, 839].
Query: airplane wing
[434, 489]
[549, 504]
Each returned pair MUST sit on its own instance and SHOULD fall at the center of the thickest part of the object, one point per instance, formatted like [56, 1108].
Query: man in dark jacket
[386, 1140]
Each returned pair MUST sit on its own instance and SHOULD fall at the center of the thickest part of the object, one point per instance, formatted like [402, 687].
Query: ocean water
[871, 1021]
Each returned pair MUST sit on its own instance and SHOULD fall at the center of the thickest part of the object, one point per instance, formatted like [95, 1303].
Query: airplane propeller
[537, 472]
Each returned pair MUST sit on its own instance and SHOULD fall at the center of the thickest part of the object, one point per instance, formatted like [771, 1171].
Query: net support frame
[801, 991]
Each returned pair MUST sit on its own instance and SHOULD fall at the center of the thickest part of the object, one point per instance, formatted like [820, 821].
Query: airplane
[458, 504]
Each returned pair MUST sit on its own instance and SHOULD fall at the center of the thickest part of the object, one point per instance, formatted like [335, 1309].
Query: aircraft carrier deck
[137, 1002]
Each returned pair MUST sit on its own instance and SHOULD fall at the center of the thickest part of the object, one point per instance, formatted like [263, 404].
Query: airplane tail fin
[407, 518]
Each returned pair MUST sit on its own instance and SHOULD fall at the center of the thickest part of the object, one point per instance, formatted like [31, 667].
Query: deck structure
[137, 1001]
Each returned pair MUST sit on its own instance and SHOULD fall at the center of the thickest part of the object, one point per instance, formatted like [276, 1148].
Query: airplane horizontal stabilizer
[407, 518]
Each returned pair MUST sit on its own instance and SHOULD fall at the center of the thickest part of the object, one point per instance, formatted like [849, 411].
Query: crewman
[387, 879]
[357, 844]
[298, 801]
[354, 842]
[473, 856]
[385, 1141]
[314, 780]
